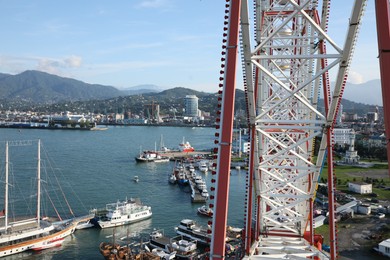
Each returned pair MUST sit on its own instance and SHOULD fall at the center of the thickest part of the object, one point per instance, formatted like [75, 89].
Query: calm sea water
[98, 168]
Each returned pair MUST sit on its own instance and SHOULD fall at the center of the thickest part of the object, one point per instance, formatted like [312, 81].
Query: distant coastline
[45, 127]
[101, 126]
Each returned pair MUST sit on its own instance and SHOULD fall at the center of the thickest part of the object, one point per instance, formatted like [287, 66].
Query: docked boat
[151, 156]
[124, 212]
[48, 244]
[85, 224]
[182, 249]
[205, 211]
[191, 230]
[115, 251]
[163, 255]
[172, 178]
[205, 193]
[32, 233]
[185, 147]
[202, 165]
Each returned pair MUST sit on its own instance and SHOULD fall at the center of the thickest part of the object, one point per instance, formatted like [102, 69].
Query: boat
[136, 179]
[48, 244]
[163, 255]
[191, 168]
[172, 178]
[182, 179]
[205, 211]
[180, 174]
[202, 165]
[205, 193]
[85, 224]
[115, 251]
[36, 233]
[189, 229]
[182, 249]
[151, 156]
[185, 147]
[124, 213]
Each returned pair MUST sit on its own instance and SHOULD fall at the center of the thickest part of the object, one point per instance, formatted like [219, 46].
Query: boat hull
[38, 242]
[108, 224]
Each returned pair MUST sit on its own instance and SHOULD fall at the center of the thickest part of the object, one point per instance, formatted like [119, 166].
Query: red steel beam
[226, 135]
[383, 31]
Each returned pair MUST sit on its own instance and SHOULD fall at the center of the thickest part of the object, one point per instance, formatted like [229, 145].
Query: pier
[182, 172]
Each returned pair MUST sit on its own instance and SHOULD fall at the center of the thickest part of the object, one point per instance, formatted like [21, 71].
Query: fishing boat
[35, 233]
[180, 248]
[205, 211]
[124, 213]
[191, 230]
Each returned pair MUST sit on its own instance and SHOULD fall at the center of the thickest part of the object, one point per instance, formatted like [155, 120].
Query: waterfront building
[191, 106]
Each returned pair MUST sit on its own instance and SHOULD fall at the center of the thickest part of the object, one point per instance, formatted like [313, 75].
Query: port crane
[287, 55]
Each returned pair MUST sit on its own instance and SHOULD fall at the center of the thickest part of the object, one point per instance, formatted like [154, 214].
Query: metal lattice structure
[286, 64]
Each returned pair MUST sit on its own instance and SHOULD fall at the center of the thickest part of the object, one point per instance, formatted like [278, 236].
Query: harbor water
[99, 168]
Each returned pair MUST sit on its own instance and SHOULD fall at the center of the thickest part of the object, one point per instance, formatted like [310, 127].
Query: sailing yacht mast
[6, 189]
[39, 184]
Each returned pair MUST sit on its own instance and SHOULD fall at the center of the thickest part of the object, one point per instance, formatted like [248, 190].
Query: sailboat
[33, 233]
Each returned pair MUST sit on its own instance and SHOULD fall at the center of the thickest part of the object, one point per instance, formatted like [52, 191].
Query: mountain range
[36, 87]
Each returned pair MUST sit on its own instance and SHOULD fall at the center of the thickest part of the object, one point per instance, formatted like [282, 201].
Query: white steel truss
[285, 71]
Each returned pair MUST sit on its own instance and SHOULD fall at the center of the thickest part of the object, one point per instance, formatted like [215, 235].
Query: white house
[384, 247]
[360, 187]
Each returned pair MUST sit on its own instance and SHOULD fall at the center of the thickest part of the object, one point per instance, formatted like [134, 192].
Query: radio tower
[286, 57]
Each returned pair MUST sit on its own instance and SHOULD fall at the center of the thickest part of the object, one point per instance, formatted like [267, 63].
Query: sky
[125, 43]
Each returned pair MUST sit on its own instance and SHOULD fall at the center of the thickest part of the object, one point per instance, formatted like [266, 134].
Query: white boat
[205, 211]
[190, 229]
[136, 179]
[172, 178]
[205, 193]
[84, 224]
[32, 233]
[182, 249]
[151, 156]
[48, 244]
[163, 255]
[202, 165]
[124, 213]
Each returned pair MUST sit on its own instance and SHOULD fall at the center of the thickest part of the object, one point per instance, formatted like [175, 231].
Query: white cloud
[355, 78]
[73, 61]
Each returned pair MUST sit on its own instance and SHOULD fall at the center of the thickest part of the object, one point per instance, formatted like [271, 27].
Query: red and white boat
[186, 147]
[48, 244]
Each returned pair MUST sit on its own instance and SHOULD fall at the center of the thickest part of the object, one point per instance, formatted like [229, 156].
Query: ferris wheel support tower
[286, 64]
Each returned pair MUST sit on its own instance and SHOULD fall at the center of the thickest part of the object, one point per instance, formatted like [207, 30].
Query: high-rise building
[191, 105]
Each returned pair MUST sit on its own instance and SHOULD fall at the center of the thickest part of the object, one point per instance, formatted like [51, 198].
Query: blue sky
[124, 43]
